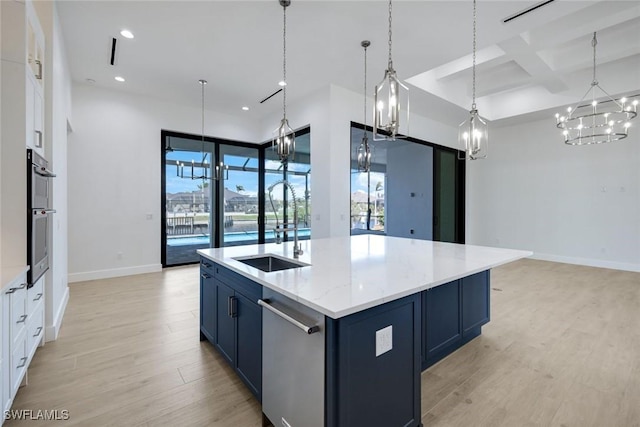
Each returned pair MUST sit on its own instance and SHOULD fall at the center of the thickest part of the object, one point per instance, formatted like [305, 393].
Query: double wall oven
[38, 212]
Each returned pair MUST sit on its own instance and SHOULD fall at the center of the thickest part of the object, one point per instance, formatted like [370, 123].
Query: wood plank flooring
[562, 349]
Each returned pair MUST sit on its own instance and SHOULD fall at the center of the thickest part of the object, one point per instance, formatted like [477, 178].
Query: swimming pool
[247, 236]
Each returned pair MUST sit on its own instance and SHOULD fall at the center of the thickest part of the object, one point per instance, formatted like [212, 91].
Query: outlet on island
[384, 340]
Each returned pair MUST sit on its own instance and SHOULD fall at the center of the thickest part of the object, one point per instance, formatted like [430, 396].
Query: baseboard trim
[116, 272]
[587, 262]
[51, 332]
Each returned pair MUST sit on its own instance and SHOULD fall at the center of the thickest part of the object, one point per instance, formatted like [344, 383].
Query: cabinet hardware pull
[205, 276]
[10, 291]
[206, 264]
[39, 138]
[39, 330]
[229, 306]
[22, 319]
[24, 362]
[308, 329]
[234, 307]
[37, 298]
[39, 64]
[24, 285]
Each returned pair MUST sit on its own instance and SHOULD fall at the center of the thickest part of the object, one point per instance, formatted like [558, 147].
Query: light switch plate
[384, 340]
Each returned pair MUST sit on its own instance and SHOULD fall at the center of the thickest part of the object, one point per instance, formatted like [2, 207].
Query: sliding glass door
[239, 205]
[200, 212]
[188, 215]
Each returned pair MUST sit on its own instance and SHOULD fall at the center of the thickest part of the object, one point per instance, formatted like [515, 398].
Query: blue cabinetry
[231, 319]
[452, 315]
[364, 389]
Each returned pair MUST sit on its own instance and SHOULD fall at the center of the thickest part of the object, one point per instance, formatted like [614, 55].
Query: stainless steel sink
[270, 263]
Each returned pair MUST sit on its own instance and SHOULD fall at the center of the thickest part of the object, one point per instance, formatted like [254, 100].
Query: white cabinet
[22, 326]
[35, 85]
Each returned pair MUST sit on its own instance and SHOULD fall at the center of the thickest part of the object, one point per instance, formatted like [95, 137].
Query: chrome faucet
[297, 248]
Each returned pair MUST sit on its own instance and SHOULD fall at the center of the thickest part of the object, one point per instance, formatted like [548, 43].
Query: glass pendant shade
[364, 155]
[391, 108]
[284, 142]
[473, 137]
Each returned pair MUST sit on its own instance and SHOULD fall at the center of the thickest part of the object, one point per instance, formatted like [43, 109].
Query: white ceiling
[537, 62]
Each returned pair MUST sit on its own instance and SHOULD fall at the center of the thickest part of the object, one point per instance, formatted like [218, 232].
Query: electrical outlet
[384, 340]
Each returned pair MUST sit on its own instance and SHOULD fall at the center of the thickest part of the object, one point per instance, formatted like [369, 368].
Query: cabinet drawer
[35, 295]
[207, 266]
[18, 364]
[35, 330]
[18, 319]
[238, 283]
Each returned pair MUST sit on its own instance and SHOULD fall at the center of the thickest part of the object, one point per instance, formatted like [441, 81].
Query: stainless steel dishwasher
[292, 362]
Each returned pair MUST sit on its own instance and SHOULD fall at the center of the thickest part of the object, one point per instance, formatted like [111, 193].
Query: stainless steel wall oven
[38, 215]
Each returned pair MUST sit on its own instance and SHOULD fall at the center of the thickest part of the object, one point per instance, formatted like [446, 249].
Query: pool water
[247, 236]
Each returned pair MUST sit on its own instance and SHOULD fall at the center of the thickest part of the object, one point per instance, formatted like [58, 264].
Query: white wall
[114, 177]
[330, 112]
[568, 204]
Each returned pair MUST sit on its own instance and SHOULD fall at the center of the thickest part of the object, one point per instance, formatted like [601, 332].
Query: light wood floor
[562, 349]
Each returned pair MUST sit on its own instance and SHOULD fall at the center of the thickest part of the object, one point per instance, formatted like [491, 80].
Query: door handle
[22, 319]
[39, 330]
[306, 328]
[38, 297]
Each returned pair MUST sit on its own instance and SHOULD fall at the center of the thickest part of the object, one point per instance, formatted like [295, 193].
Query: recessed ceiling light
[119, 79]
[245, 108]
[282, 83]
[126, 34]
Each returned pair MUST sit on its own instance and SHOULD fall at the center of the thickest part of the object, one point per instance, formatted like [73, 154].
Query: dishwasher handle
[307, 329]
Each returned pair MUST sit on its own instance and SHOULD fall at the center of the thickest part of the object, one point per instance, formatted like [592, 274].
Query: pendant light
[221, 171]
[284, 139]
[364, 150]
[596, 122]
[473, 133]
[391, 104]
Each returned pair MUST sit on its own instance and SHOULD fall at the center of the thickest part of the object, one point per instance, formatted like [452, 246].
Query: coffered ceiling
[536, 62]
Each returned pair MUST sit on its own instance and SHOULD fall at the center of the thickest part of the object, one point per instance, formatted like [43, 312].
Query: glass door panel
[240, 205]
[187, 201]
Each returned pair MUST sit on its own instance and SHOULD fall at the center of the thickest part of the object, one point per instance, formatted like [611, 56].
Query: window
[368, 188]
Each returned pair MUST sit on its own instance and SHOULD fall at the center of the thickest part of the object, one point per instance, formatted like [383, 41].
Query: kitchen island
[341, 339]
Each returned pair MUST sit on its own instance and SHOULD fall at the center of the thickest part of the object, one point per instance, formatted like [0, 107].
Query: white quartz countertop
[346, 275]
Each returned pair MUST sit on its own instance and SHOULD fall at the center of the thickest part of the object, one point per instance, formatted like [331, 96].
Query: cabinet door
[475, 302]
[442, 327]
[208, 306]
[249, 343]
[224, 322]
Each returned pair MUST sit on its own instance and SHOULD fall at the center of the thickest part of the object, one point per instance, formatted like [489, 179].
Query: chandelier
[597, 121]
[473, 133]
[389, 95]
[364, 150]
[284, 139]
[221, 171]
